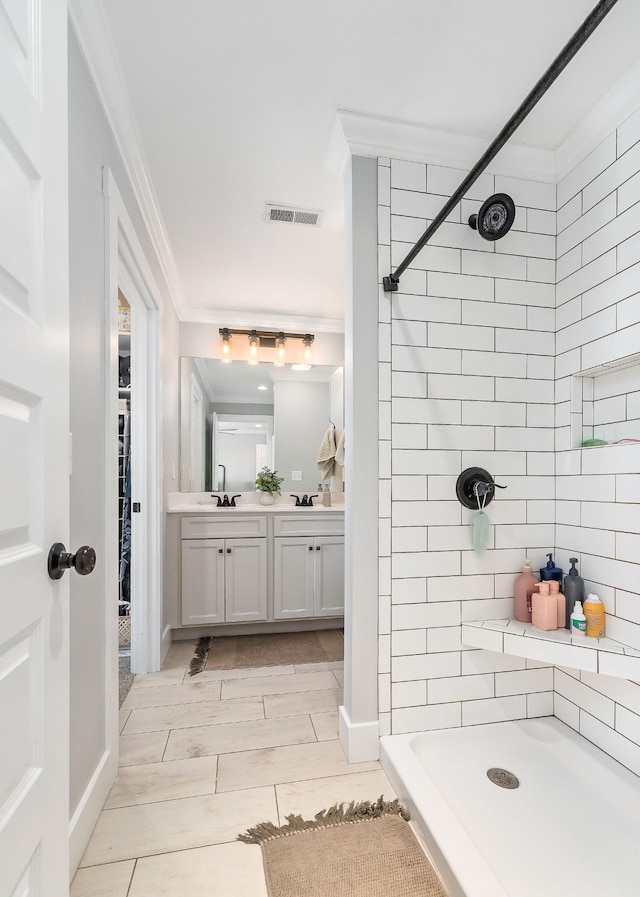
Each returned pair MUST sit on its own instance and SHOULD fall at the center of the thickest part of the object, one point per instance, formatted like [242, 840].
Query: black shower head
[495, 217]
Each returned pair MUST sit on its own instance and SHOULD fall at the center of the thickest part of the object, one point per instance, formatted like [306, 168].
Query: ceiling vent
[289, 215]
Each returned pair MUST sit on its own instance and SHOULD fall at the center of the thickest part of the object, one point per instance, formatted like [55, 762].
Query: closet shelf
[596, 655]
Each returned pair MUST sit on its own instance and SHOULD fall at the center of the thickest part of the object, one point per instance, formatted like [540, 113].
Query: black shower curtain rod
[583, 33]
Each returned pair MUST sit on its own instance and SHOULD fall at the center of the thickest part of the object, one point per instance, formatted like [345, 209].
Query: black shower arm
[565, 56]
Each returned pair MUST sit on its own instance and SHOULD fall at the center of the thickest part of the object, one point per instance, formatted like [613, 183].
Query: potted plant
[268, 484]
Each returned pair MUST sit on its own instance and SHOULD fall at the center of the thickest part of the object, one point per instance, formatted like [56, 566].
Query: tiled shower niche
[605, 403]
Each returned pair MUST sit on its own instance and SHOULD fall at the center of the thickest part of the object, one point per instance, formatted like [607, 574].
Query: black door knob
[84, 560]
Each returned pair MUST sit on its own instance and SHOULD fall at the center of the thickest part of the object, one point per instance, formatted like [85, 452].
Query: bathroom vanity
[253, 568]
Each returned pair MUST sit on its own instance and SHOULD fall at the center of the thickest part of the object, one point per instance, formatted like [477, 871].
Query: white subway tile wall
[471, 343]
[598, 489]
[505, 356]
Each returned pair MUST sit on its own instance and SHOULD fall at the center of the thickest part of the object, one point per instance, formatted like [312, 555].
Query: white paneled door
[34, 448]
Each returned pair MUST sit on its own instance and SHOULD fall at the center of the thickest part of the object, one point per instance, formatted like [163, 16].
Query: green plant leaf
[269, 481]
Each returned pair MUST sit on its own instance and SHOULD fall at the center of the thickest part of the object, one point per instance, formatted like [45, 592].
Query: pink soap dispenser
[544, 613]
[522, 589]
[554, 586]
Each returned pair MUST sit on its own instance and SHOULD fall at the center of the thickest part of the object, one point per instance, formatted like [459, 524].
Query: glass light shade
[225, 342]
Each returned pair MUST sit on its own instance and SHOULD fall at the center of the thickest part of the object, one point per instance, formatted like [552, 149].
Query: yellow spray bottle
[593, 609]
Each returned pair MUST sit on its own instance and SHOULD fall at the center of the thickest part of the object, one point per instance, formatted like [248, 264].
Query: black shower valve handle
[481, 488]
[476, 484]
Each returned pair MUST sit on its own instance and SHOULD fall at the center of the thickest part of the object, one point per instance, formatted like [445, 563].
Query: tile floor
[202, 759]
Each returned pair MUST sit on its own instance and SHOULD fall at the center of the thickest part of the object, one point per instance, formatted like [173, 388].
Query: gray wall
[358, 724]
[90, 148]
[300, 420]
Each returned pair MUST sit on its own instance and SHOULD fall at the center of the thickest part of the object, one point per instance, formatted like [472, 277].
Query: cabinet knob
[317, 548]
[220, 551]
[311, 548]
[228, 551]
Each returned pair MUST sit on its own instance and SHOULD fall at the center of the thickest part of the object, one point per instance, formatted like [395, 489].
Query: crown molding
[366, 135]
[92, 32]
[607, 115]
[262, 320]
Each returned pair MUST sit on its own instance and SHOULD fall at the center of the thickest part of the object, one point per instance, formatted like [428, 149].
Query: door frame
[198, 429]
[126, 268]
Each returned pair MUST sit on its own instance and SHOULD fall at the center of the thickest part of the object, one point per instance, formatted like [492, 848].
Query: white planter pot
[266, 498]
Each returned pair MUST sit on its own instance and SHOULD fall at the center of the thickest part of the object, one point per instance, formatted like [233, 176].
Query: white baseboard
[360, 741]
[86, 815]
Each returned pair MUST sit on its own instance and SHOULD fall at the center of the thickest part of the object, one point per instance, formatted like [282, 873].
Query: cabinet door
[202, 581]
[245, 580]
[293, 577]
[329, 576]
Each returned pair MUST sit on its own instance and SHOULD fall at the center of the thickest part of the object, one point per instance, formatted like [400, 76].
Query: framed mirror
[236, 418]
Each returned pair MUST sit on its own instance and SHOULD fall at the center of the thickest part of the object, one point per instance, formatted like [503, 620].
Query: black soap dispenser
[573, 590]
[551, 571]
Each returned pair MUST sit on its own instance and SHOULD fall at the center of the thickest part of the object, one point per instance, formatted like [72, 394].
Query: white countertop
[203, 503]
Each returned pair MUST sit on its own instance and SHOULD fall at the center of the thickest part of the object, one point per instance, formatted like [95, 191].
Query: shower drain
[503, 778]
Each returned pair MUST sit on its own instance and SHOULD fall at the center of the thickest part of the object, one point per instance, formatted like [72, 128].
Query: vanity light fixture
[225, 343]
[260, 340]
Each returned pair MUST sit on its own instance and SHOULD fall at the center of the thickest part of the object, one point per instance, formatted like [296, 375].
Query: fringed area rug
[230, 652]
[357, 850]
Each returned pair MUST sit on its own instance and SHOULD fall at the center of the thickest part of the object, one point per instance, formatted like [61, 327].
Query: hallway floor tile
[204, 758]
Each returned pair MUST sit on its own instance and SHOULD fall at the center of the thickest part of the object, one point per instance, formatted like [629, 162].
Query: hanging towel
[327, 454]
[340, 450]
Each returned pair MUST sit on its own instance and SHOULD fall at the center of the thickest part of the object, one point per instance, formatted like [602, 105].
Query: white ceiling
[238, 383]
[234, 104]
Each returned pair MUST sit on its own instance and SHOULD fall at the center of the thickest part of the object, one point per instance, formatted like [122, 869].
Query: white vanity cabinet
[308, 567]
[224, 570]
[241, 570]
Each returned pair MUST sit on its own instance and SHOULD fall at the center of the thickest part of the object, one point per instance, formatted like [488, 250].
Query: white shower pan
[570, 829]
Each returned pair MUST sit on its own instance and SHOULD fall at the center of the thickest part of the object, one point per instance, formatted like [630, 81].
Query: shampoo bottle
[573, 590]
[561, 604]
[550, 571]
[594, 612]
[522, 589]
[544, 614]
[578, 621]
